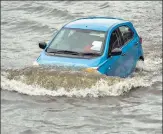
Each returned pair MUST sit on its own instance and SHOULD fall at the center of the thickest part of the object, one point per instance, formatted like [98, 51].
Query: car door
[113, 64]
[121, 65]
[129, 49]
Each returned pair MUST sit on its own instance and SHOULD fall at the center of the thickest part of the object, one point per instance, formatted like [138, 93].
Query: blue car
[106, 45]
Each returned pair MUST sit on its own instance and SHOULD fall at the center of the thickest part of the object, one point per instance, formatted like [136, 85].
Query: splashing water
[54, 82]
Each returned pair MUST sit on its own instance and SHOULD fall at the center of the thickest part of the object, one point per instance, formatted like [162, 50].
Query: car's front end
[75, 48]
[61, 61]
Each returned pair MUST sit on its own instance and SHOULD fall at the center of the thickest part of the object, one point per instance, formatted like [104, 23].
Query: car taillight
[140, 40]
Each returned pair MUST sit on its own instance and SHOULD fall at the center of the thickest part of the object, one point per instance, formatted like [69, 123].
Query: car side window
[115, 41]
[126, 33]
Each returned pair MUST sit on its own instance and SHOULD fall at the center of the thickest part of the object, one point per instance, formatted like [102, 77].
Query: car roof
[95, 23]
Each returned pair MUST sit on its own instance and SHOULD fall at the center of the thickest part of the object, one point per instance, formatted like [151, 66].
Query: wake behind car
[110, 46]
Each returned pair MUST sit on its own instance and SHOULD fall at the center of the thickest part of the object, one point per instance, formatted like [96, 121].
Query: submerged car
[110, 46]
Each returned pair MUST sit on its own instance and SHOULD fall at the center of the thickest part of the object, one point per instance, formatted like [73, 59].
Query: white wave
[150, 64]
[101, 88]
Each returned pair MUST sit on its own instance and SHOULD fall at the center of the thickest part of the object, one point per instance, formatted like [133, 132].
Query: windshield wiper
[54, 51]
[64, 52]
[94, 54]
[68, 52]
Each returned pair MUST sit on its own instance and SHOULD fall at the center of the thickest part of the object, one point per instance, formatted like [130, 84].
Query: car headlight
[91, 70]
[35, 63]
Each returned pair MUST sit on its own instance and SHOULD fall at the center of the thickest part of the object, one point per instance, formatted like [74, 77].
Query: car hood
[68, 61]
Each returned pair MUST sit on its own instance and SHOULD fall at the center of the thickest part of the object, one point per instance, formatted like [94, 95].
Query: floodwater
[37, 101]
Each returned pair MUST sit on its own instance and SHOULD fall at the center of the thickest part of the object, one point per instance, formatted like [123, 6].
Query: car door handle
[123, 54]
[136, 44]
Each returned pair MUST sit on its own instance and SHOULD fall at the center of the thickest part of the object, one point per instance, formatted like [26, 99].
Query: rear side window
[127, 34]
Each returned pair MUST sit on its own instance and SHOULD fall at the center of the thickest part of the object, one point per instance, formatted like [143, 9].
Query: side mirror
[116, 52]
[42, 45]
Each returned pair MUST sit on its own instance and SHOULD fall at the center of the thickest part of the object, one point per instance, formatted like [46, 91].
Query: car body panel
[61, 60]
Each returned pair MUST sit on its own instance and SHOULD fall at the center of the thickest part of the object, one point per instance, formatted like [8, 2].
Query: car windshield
[78, 40]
